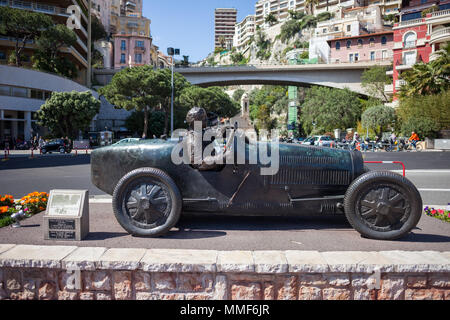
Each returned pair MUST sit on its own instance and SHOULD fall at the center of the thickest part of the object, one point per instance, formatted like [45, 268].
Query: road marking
[437, 190]
[423, 171]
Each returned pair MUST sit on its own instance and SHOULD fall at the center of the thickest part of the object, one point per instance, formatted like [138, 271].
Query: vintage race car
[150, 191]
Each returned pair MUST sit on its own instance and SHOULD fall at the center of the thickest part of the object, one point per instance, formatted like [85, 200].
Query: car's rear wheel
[62, 150]
[382, 205]
[147, 202]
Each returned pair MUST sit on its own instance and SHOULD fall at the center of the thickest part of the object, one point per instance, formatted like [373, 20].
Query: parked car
[150, 191]
[56, 145]
[321, 141]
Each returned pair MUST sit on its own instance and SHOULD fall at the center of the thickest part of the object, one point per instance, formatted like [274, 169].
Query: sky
[189, 24]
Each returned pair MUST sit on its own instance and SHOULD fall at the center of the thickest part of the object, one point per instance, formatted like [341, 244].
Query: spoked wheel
[382, 205]
[147, 202]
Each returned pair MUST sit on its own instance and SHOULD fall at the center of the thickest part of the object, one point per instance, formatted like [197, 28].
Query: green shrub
[424, 127]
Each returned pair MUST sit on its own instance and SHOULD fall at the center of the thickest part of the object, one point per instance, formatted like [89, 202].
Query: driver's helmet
[196, 114]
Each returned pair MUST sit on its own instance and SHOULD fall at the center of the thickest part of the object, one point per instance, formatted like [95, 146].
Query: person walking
[414, 139]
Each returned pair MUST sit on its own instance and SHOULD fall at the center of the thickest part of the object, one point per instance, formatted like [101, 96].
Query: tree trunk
[144, 134]
[166, 122]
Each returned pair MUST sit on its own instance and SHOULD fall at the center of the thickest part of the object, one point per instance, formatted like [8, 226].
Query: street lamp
[172, 52]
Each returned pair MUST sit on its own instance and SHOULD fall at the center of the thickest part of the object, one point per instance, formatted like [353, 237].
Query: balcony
[409, 44]
[399, 83]
[409, 23]
[441, 35]
[139, 49]
[389, 89]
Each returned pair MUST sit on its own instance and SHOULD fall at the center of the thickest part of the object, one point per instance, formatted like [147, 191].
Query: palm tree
[310, 5]
[428, 78]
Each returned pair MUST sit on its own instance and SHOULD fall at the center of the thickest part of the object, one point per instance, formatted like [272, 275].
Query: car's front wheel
[382, 205]
[147, 202]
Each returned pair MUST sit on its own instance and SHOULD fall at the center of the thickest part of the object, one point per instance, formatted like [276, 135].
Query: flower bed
[438, 213]
[30, 204]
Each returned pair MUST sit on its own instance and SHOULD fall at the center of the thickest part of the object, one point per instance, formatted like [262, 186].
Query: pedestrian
[393, 140]
[414, 139]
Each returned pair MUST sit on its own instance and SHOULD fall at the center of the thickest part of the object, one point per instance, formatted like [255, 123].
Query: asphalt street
[430, 172]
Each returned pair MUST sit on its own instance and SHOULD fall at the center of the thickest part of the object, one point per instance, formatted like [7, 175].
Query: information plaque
[67, 215]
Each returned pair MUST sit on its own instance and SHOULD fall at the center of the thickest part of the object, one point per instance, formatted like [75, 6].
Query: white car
[321, 141]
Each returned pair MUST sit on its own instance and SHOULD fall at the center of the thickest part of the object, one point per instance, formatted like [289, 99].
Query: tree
[50, 43]
[131, 89]
[309, 4]
[65, 113]
[378, 118]
[435, 107]
[237, 95]
[330, 109]
[428, 78]
[212, 99]
[237, 57]
[271, 19]
[23, 26]
[135, 124]
[425, 127]
[222, 41]
[289, 29]
[373, 81]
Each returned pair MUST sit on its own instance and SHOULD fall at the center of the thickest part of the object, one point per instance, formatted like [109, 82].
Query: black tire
[44, 151]
[62, 150]
[157, 202]
[382, 205]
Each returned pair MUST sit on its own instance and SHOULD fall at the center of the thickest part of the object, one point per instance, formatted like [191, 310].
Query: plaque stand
[67, 215]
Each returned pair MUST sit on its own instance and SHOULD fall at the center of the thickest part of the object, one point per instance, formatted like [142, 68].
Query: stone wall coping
[260, 262]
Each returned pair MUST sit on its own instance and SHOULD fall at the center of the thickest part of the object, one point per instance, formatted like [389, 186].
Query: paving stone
[6, 247]
[30, 256]
[175, 260]
[121, 259]
[306, 261]
[235, 261]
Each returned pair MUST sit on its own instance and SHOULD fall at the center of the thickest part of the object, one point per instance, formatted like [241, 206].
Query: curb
[258, 262]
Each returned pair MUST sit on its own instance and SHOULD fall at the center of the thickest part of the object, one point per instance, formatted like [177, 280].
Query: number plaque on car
[67, 215]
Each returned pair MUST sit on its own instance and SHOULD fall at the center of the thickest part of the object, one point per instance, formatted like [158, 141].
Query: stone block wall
[72, 273]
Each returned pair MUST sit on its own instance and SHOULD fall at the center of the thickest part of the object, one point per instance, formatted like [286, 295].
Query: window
[371, 42]
[350, 57]
[383, 40]
[384, 54]
[5, 90]
[360, 42]
[423, 1]
[139, 44]
[349, 44]
[372, 55]
[356, 57]
[19, 92]
[123, 45]
[122, 58]
[2, 55]
[138, 58]
[410, 40]
[37, 94]
[349, 28]
[338, 45]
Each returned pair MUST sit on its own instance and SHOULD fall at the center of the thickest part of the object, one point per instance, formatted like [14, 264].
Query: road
[429, 171]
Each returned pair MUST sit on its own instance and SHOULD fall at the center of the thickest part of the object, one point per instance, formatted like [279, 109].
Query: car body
[147, 185]
[56, 145]
[322, 141]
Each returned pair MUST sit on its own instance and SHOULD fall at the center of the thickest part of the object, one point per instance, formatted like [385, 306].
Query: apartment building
[102, 10]
[244, 30]
[279, 8]
[418, 36]
[347, 22]
[224, 26]
[57, 10]
[132, 42]
[387, 7]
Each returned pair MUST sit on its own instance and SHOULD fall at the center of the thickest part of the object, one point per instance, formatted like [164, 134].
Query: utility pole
[89, 58]
[172, 52]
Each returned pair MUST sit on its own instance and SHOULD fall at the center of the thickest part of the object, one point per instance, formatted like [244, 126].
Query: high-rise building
[243, 32]
[224, 26]
[57, 10]
[279, 8]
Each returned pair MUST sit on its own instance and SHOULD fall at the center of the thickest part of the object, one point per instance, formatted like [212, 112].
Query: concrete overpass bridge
[342, 75]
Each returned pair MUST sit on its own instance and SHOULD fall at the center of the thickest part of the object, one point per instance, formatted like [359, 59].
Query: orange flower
[44, 199]
[3, 209]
